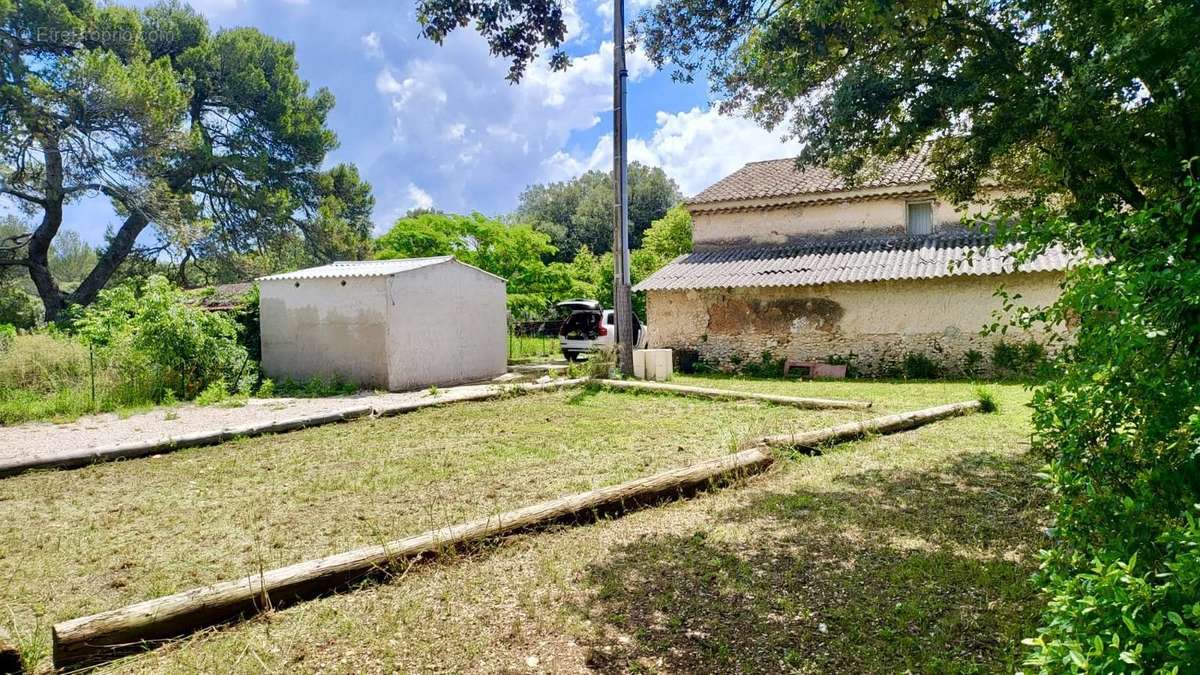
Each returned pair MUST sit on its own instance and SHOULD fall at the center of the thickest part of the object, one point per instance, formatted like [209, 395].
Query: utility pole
[622, 303]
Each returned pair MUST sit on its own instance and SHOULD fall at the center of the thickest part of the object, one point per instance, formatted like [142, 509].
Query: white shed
[394, 324]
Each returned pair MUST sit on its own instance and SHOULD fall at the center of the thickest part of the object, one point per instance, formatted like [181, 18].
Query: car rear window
[580, 322]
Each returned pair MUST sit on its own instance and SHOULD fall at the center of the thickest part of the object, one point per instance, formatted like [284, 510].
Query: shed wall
[447, 324]
[320, 328]
[874, 325]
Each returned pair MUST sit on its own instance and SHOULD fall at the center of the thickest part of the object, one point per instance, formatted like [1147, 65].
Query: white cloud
[459, 125]
[418, 198]
[695, 147]
[632, 8]
[372, 45]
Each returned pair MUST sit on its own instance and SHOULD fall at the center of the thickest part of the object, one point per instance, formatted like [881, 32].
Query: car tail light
[603, 330]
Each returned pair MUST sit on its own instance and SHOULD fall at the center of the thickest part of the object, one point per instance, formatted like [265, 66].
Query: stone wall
[873, 325]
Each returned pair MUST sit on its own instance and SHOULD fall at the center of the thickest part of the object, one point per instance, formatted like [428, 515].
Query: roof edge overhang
[921, 189]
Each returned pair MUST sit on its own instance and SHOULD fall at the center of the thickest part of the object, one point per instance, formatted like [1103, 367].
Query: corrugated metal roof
[360, 268]
[848, 261]
[781, 178]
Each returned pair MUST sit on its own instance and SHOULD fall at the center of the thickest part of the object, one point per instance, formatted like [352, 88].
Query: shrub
[1119, 426]
[315, 387]
[8, 333]
[918, 366]
[161, 343]
[987, 400]
[972, 361]
[216, 392]
[1025, 359]
[18, 308]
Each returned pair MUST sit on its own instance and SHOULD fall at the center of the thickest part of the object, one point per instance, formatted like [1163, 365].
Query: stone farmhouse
[800, 265]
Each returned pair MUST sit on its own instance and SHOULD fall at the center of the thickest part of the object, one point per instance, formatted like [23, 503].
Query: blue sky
[440, 126]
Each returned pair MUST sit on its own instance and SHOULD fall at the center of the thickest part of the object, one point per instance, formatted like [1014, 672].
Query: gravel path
[46, 440]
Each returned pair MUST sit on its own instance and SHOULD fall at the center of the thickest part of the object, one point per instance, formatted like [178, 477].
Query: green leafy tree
[515, 252]
[670, 236]
[210, 139]
[579, 212]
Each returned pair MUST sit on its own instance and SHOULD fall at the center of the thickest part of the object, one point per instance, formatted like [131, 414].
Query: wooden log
[729, 394]
[811, 440]
[10, 658]
[84, 457]
[92, 639]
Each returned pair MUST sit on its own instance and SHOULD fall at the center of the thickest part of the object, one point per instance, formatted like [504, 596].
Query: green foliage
[210, 138]
[918, 366]
[156, 331]
[1123, 616]
[972, 362]
[216, 392]
[1119, 426]
[1025, 359]
[670, 236]
[17, 307]
[315, 387]
[514, 252]
[987, 399]
[47, 375]
[266, 388]
[579, 212]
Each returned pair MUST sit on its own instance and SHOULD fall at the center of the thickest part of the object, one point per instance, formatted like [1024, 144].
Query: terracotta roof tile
[848, 261]
[781, 178]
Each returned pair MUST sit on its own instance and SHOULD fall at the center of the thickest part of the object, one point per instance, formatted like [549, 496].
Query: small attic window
[920, 218]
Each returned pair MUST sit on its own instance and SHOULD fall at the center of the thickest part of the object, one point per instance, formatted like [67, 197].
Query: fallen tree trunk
[109, 634]
[728, 394]
[10, 658]
[887, 424]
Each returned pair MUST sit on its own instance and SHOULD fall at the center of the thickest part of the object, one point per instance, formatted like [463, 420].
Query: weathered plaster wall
[874, 324]
[321, 328]
[447, 325]
[782, 225]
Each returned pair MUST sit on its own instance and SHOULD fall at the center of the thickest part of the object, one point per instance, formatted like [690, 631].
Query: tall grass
[49, 376]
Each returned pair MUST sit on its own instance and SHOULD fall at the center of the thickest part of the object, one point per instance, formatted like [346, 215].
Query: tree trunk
[39, 243]
[114, 254]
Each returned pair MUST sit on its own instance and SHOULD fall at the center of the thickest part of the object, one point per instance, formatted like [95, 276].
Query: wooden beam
[103, 636]
[729, 395]
[849, 431]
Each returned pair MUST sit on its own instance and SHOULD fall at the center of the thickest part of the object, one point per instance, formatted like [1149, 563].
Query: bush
[917, 366]
[316, 387]
[1023, 359]
[161, 343]
[8, 333]
[1119, 426]
[18, 308]
[972, 362]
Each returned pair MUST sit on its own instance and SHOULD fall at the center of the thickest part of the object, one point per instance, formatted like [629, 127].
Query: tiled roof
[222, 296]
[781, 178]
[360, 268]
[848, 261]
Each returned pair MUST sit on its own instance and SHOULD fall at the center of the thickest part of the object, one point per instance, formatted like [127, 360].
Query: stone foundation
[872, 327]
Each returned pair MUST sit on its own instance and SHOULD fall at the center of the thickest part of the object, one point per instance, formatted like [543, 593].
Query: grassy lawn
[911, 550]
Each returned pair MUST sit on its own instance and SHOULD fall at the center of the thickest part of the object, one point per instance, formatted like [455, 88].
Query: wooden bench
[816, 369]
